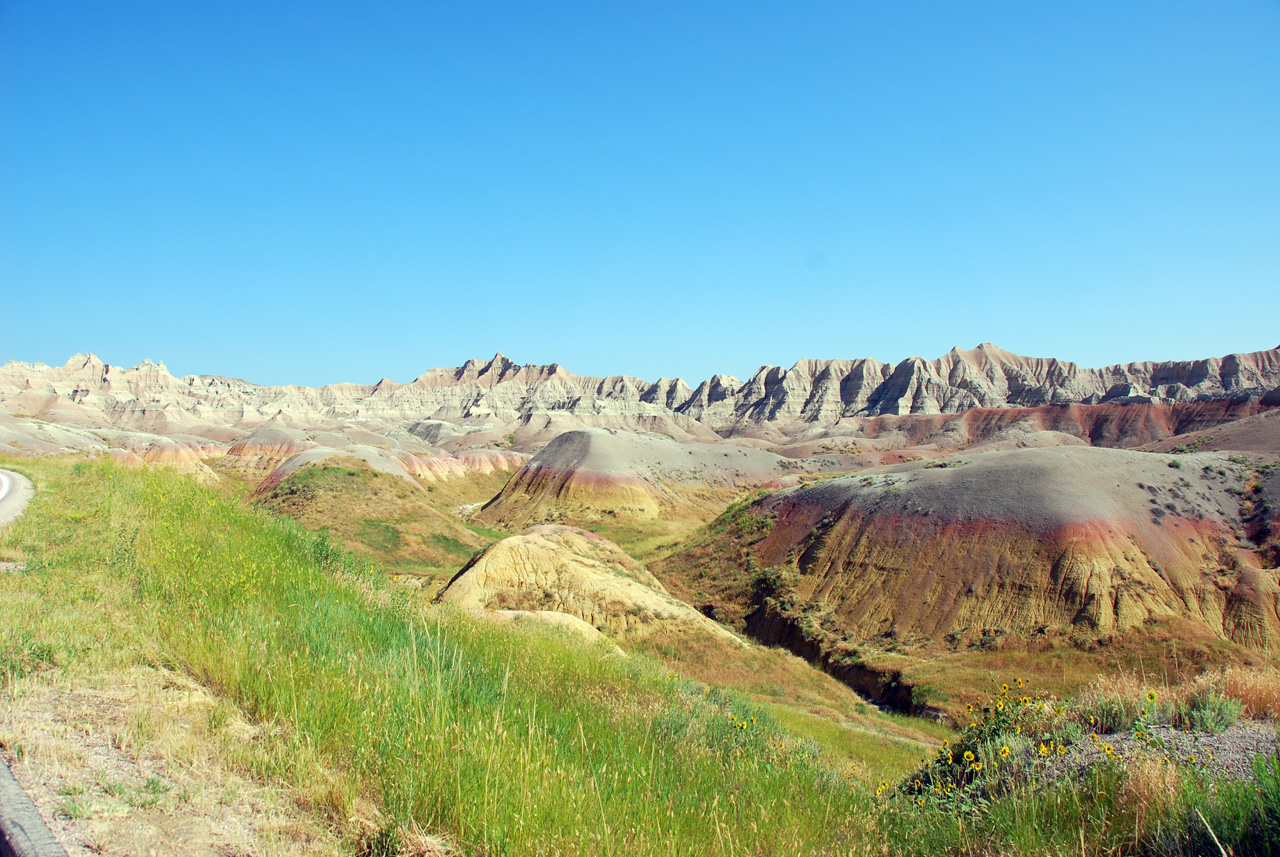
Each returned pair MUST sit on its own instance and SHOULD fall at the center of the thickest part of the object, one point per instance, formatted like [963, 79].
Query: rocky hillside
[589, 473]
[1066, 541]
[553, 570]
[538, 402]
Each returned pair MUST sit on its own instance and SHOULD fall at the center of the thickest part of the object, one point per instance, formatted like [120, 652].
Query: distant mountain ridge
[499, 392]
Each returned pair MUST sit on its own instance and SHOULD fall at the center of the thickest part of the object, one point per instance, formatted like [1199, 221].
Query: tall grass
[510, 743]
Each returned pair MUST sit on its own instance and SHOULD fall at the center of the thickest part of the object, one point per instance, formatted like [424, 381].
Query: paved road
[16, 491]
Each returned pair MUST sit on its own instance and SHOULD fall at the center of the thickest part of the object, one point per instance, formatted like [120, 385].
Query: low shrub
[1208, 711]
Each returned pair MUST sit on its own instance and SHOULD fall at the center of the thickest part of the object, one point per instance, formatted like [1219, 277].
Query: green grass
[870, 754]
[386, 716]
[408, 530]
[453, 547]
[492, 535]
[378, 534]
[494, 738]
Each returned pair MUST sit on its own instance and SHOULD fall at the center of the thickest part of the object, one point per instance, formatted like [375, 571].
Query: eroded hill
[1073, 544]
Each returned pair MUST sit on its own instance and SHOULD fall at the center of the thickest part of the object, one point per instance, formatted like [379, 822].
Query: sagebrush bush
[1208, 711]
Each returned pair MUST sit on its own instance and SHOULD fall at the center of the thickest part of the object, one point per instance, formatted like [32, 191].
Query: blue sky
[322, 192]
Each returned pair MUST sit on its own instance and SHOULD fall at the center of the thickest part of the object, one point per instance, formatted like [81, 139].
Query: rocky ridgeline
[499, 392]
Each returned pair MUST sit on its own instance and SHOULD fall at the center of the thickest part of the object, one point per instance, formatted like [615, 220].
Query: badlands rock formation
[1112, 425]
[593, 472]
[483, 402]
[1069, 540]
[272, 454]
[571, 571]
[1259, 433]
[1078, 540]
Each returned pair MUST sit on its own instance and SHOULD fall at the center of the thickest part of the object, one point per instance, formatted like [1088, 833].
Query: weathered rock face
[530, 399]
[588, 473]
[1110, 425]
[826, 392]
[572, 571]
[1081, 540]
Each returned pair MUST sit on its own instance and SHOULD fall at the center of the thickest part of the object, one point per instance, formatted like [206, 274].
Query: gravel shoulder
[1226, 756]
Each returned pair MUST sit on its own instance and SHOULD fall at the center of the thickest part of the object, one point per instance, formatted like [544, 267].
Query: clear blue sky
[321, 192]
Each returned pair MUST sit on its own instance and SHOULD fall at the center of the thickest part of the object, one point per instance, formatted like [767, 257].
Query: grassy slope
[711, 566]
[500, 740]
[409, 530]
[390, 521]
[371, 708]
[684, 507]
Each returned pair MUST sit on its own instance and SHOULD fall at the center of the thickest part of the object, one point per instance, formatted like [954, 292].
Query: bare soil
[136, 764]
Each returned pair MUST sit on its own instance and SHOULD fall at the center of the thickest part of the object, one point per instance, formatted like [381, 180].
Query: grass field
[405, 727]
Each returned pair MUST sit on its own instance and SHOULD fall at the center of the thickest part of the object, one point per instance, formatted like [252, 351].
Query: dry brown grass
[1127, 685]
[1257, 688]
[143, 761]
[1150, 788]
[1211, 700]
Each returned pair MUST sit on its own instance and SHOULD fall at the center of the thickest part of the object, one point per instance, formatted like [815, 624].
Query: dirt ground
[133, 764]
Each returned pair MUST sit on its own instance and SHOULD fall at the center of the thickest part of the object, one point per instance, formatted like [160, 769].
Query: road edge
[20, 492]
[23, 832]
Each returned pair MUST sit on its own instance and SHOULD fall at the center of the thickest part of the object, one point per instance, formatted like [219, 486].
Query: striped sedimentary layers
[1110, 425]
[1078, 540]
[595, 472]
[271, 454]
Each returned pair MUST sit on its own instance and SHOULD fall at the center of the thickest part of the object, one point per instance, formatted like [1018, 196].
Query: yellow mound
[572, 571]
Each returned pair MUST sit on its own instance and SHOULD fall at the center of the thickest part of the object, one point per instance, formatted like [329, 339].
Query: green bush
[1208, 711]
[764, 582]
